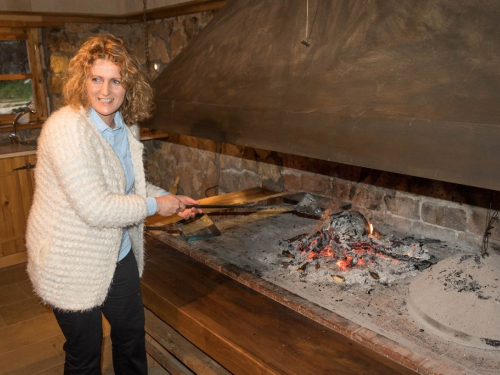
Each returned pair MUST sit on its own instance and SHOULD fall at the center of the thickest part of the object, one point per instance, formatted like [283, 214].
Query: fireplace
[445, 219]
[390, 107]
[346, 249]
[276, 255]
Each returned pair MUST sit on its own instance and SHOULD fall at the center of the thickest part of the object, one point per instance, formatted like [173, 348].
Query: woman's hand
[188, 213]
[176, 204]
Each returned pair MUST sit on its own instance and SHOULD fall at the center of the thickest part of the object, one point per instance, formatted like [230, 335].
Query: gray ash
[460, 281]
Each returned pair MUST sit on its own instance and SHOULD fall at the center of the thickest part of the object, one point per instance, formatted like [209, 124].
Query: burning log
[297, 238]
[416, 258]
[345, 242]
[302, 268]
[350, 226]
[338, 279]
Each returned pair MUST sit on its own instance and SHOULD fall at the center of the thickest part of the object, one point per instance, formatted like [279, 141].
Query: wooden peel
[246, 196]
[306, 206]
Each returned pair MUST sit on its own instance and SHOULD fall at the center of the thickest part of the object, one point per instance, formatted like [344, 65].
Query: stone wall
[392, 202]
[166, 39]
[392, 210]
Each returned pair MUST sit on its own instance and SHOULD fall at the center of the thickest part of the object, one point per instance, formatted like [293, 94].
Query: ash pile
[344, 250]
[464, 278]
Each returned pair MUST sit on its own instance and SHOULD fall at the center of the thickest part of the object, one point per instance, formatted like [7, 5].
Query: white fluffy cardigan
[79, 210]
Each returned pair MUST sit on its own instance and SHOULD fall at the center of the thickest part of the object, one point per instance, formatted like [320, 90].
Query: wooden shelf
[4, 128]
[148, 134]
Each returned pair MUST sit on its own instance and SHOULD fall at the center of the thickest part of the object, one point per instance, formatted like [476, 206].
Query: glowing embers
[345, 250]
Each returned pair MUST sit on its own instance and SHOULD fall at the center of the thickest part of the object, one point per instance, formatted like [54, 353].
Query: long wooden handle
[236, 206]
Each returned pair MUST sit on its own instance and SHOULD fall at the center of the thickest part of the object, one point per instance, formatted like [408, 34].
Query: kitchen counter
[8, 150]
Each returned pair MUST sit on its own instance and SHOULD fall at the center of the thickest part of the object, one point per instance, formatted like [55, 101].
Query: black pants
[124, 311]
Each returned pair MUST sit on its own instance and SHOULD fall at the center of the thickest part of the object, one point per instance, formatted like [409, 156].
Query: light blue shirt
[117, 139]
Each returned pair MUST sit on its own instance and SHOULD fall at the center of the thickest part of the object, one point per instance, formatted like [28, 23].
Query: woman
[85, 228]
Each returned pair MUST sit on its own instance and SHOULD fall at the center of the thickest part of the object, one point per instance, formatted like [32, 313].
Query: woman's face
[105, 90]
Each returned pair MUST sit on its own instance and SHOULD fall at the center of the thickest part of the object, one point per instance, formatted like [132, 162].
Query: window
[21, 85]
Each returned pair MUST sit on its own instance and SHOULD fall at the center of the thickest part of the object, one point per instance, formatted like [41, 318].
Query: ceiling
[118, 7]
[37, 13]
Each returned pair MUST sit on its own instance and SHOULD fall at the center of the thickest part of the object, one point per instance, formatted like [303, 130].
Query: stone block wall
[166, 39]
[393, 203]
[206, 168]
[442, 213]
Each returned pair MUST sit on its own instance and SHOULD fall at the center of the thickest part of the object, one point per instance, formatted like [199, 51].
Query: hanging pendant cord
[309, 31]
[307, 19]
[146, 38]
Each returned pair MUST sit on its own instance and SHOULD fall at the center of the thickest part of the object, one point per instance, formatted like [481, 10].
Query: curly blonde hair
[138, 102]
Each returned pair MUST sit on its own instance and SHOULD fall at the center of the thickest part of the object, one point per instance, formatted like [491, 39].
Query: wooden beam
[9, 34]
[21, 19]
[13, 259]
[39, 94]
[11, 77]
[41, 19]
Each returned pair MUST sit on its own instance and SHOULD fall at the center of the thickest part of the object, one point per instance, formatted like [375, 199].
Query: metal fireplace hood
[404, 86]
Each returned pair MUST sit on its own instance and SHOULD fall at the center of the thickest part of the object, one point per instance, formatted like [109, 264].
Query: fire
[345, 243]
[313, 256]
[327, 252]
[351, 260]
[344, 264]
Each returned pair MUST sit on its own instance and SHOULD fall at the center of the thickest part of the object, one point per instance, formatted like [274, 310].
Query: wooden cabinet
[16, 192]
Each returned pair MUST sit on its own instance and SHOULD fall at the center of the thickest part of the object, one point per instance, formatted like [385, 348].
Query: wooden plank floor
[30, 338]
[243, 330]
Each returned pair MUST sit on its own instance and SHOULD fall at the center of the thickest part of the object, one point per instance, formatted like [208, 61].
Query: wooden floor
[30, 339]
